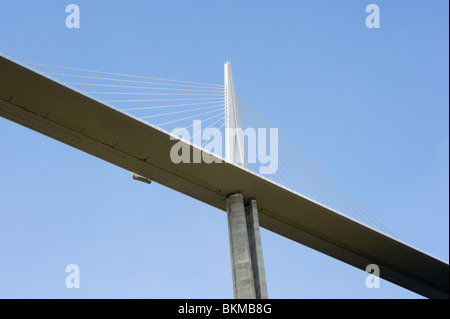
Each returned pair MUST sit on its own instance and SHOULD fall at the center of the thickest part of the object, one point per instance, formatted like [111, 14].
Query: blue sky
[369, 106]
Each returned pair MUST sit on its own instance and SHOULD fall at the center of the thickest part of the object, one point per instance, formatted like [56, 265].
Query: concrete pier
[249, 281]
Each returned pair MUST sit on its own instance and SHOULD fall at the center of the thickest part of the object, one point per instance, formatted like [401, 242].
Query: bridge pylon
[249, 279]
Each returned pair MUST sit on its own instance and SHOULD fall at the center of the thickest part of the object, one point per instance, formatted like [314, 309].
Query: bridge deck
[50, 108]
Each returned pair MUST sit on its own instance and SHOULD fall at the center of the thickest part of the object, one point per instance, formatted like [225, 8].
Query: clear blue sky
[369, 106]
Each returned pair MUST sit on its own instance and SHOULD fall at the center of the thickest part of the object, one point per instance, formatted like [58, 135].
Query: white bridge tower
[249, 279]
